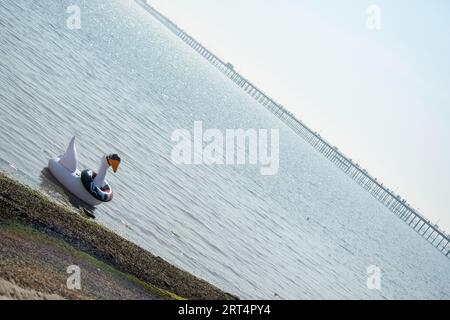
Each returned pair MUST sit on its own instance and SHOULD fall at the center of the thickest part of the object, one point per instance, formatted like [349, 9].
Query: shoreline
[43, 234]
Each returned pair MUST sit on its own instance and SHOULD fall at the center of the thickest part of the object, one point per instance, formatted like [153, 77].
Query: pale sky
[381, 96]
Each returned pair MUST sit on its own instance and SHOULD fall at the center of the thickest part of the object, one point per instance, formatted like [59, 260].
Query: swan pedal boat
[89, 186]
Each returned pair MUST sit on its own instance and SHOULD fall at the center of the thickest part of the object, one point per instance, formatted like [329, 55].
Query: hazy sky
[381, 96]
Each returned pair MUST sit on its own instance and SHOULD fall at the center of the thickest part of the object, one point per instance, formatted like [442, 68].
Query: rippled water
[123, 83]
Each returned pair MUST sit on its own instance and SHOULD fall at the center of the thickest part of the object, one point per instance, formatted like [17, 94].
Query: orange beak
[115, 165]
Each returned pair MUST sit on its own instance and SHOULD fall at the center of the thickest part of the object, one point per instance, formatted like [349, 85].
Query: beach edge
[20, 204]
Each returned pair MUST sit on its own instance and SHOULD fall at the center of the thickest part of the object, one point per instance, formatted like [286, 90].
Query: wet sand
[40, 239]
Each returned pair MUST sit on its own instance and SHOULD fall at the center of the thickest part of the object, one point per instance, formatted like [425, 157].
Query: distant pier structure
[431, 232]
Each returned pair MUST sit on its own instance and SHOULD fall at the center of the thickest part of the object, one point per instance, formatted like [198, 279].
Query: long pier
[418, 222]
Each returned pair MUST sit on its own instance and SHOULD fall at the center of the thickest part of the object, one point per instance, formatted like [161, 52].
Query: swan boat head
[113, 161]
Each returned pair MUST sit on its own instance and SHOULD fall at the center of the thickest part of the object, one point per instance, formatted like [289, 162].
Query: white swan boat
[87, 185]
